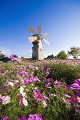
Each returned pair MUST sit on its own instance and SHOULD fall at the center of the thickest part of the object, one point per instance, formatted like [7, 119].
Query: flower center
[36, 95]
[6, 100]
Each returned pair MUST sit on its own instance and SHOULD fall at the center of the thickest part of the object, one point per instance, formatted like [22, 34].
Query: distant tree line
[74, 51]
[4, 58]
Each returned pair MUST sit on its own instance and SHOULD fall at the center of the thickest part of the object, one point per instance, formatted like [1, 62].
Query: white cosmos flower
[25, 102]
[35, 88]
[16, 81]
[23, 94]
[32, 84]
[21, 89]
[11, 83]
[78, 99]
[44, 104]
[36, 68]
[6, 100]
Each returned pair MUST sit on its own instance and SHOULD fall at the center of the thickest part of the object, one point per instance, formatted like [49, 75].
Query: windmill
[36, 40]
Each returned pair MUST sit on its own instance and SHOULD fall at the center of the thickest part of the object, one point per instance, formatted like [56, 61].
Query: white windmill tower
[36, 40]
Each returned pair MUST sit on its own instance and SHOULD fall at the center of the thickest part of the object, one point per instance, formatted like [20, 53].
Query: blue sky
[60, 18]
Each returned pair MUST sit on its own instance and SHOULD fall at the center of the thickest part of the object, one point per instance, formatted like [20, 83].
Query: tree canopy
[62, 55]
[74, 51]
[50, 56]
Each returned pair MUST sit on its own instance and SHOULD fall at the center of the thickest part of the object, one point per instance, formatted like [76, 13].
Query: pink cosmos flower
[36, 91]
[16, 59]
[31, 66]
[19, 59]
[26, 81]
[35, 117]
[57, 83]
[6, 118]
[22, 118]
[18, 95]
[11, 57]
[38, 96]
[18, 83]
[72, 99]
[77, 81]
[75, 86]
[78, 94]
[21, 102]
[31, 117]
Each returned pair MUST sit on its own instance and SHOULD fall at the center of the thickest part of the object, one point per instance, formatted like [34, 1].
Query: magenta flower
[76, 85]
[22, 118]
[31, 117]
[11, 57]
[6, 118]
[18, 95]
[35, 117]
[19, 59]
[38, 96]
[18, 83]
[78, 94]
[57, 83]
[16, 59]
[26, 81]
[36, 91]
[21, 102]
[77, 81]
[31, 66]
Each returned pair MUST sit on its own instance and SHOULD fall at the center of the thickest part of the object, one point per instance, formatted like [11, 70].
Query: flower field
[40, 90]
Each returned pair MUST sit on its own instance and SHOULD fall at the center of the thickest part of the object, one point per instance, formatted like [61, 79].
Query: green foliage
[3, 57]
[74, 51]
[50, 56]
[62, 55]
[56, 108]
[67, 72]
[15, 56]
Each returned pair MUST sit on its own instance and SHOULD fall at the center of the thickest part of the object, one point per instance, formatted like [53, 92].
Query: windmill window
[40, 49]
[35, 49]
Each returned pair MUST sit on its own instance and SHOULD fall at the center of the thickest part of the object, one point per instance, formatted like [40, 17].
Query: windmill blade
[45, 34]
[32, 30]
[46, 41]
[32, 39]
[39, 29]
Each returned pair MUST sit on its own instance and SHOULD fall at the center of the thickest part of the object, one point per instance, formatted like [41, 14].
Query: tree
[74, 51]
[3, 57]
[15, 56]
[62, 55]
[50, 56]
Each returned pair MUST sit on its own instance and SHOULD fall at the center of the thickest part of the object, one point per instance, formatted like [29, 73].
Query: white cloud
[28, 54]
[5, 51]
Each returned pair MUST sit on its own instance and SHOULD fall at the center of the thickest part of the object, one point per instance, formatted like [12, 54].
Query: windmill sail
[32, 30]
[46, 41]
[32, 39]
[39, 29]
[45, 34]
